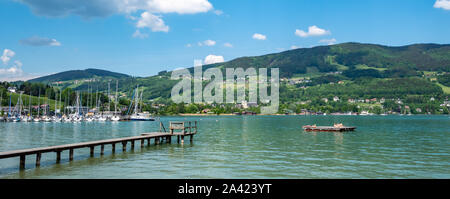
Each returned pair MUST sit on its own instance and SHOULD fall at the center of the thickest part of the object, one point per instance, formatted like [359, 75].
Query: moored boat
[115, 118]
[334, 128]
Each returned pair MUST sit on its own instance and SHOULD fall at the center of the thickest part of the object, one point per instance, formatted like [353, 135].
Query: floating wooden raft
[328, 128]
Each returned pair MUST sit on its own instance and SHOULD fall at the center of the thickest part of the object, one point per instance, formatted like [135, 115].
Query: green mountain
[351, 56]
[79, 74]
[361, 66]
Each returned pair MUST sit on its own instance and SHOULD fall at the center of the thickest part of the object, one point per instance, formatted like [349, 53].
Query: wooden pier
[179, 129]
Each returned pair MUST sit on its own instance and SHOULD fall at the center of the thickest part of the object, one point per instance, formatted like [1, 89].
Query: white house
[12, 89]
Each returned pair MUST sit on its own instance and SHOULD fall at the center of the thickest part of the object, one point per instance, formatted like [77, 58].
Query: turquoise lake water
[243, 147]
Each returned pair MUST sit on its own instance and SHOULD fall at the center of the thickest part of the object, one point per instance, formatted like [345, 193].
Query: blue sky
[144, 37]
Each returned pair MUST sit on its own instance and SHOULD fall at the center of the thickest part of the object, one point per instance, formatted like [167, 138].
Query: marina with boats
[74, 113]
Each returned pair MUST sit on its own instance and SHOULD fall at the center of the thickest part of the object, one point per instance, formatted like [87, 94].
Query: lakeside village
[78, 106]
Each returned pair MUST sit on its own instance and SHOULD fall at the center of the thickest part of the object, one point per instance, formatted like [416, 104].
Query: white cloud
[104, 8]
[171, 6]
[294, 47]
[212, 59]
[15, 73]
[18, 63]
[14, 70]
[259, 36]
[328, 41]
[228, 45]
[207, 43]
[312, 31]
[188, 45]
[40, 41]
[138, 34]
[7, 54]
[444, 4]
[218, 12]
[155, 23]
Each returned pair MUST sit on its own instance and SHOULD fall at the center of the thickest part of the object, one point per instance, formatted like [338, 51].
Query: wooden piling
[124, 146]
[22, 162]
[132, 145]
[102, 149]
[38, 159]
[58, 156]
[92, 151]
[70, 154]
[142, 143]
[113, 148]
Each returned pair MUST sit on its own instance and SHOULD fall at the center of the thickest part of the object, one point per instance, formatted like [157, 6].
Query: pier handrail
[185, 127]
[161, 127]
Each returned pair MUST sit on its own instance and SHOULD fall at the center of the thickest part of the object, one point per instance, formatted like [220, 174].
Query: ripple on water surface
[244, 147]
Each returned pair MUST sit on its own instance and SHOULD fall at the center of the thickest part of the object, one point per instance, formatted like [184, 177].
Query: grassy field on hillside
[34, 101]
[446, 89]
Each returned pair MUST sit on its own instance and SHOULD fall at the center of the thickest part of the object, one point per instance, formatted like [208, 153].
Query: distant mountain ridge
[78, 74]
[420, 57]
[323, 64]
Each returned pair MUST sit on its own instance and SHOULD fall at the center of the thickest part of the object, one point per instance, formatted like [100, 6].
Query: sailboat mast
[140, 105]
[39, 101]
[68, 101]
[88, 98]
[56, 101]
[10, 104]
[46, 103]
[77, 104]
[60, 105]
[1, 103]
[109, 99]
[115, 100]
[19, 101]
[29, 105]
[136, 100]
[96, 100]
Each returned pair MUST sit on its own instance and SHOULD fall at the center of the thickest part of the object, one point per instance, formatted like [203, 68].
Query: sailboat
[55, 117]
[37, 118]
[15, 116]
[27, 117]
[2, 118]
[77, 116]
[46, 118]
[139, 116]
[116, 117]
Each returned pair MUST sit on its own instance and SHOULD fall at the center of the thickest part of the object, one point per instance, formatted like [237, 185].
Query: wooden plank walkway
[157, 136]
